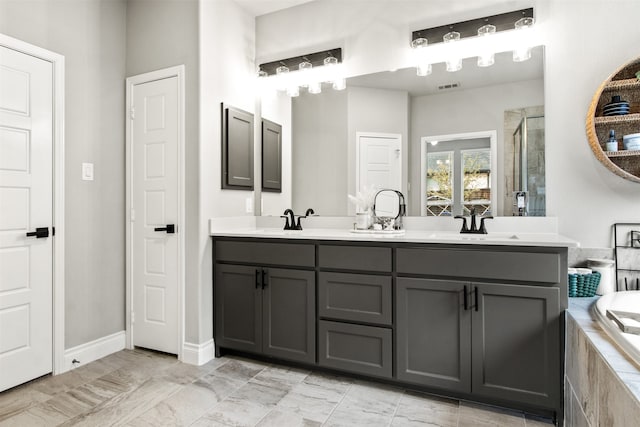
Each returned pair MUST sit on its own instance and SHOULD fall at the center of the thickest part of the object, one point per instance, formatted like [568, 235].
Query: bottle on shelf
[612, 143]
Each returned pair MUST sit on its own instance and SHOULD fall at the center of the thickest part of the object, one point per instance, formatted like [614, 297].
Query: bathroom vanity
[475, 319]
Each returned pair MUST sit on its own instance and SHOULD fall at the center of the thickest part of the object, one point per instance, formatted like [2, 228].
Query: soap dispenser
[612, 143]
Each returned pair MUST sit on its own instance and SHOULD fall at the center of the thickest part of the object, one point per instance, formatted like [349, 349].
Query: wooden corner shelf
[622, 84]
[607, 120]
[622, 153]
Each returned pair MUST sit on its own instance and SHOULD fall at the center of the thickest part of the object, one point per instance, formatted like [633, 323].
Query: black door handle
[476, 298]
[40, 233]
[170, 229]
[466, 298]
[257, 277]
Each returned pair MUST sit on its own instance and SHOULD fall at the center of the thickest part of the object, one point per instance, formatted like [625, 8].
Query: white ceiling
[262, 7]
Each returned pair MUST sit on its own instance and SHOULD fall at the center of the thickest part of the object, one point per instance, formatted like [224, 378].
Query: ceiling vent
[449, 86]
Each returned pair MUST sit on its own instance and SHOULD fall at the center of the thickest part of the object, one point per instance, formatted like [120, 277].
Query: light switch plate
[249, 205]
[87, 171]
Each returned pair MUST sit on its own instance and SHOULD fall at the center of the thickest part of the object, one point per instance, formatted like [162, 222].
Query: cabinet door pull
[466, 298]
[476, 298]
[257, 278]
[265, 278]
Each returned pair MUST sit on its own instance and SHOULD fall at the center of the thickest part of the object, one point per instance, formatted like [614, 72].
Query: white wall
[91, 36]
[472, 110]
[227, 74]
[580, 54]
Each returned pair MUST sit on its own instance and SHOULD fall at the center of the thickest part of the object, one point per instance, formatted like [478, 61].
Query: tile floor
[144, 388]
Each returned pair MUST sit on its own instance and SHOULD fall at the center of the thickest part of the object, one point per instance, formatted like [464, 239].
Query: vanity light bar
[502, 22]
[316, 59]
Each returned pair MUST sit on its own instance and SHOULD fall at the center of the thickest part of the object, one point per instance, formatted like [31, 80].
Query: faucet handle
[464, 228]
[483, 229]
[286, 224]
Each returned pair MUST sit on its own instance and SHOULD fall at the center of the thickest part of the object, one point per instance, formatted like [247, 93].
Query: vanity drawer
[356, 297]
[511, 264]
[289, 254]
[355, 348]
[354, 258]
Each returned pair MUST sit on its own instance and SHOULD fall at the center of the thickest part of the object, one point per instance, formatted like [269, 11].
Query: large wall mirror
[449, 141]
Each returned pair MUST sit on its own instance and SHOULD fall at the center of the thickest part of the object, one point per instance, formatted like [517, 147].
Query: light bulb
[454, 63]
[340, 84]
[315, 87]
[486, 58]
[424, 69]
[523, 53]
[293, 91]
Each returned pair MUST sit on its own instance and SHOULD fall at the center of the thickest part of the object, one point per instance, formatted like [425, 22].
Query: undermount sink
[469, 236]
[276, 232]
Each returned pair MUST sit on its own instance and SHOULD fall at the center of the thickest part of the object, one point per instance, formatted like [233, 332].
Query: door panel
[434, 334]
[516, 343]
[271, 156]
[379, 162]
[155, 203]
[238, 307]
[26, 200]
[289, 314]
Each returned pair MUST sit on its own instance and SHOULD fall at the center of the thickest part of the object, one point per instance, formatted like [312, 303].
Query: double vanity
[473, 317]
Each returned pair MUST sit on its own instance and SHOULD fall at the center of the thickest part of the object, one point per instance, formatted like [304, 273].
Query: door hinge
[132, 113]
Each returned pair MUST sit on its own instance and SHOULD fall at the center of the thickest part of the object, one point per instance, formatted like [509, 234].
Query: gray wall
[162, 34]
[91, 36]
[319, 153]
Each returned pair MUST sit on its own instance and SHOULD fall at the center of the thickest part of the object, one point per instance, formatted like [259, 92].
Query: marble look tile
[236, 413]
[280, 377]
[581, 370]
[617, 406]
[366, 404]
[475, 415]
[125, 407]
[35, 416]
[219, 386]
[568, 392]
[578, 417]
[75, 401]
[181, 373]
[312, 401]
[242, 370]
[533, 421]
[19, 399]
[279, 418]
[180, 409]
[258, 393]
[55, 384]
[417, 409]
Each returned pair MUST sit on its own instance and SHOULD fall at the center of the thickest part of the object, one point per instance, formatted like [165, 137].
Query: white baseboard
[93, 350]
[197, 354]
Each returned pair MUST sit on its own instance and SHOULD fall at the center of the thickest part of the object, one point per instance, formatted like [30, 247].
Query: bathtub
[628, 301]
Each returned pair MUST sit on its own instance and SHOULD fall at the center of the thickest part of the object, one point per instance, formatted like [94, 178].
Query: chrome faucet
[473, 228]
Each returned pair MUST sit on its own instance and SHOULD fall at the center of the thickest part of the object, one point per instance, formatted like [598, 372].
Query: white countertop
[409, 236]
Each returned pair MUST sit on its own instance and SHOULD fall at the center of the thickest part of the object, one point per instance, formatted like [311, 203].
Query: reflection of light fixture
[309, 70]
[423, 68]
[523, 53]
[433, 142]
[454, 63]
[481, 38]
[486, 58]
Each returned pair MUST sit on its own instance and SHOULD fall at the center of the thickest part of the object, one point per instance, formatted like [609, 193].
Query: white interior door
[26, 203]
[379, 161]
[154, 201]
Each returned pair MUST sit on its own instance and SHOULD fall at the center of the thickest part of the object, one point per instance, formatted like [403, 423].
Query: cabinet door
[433, 333]
[237, 149]
[271, 156]
[289, 316]
[516, 343]
[238, 307]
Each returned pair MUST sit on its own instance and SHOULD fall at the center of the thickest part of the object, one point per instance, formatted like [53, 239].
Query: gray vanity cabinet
[516, 343]
[262, 308]
[434, 333]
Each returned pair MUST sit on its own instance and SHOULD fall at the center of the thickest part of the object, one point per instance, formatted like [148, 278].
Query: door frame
[179, 72]
[360, 135]
[493, 147]
[57, 62]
